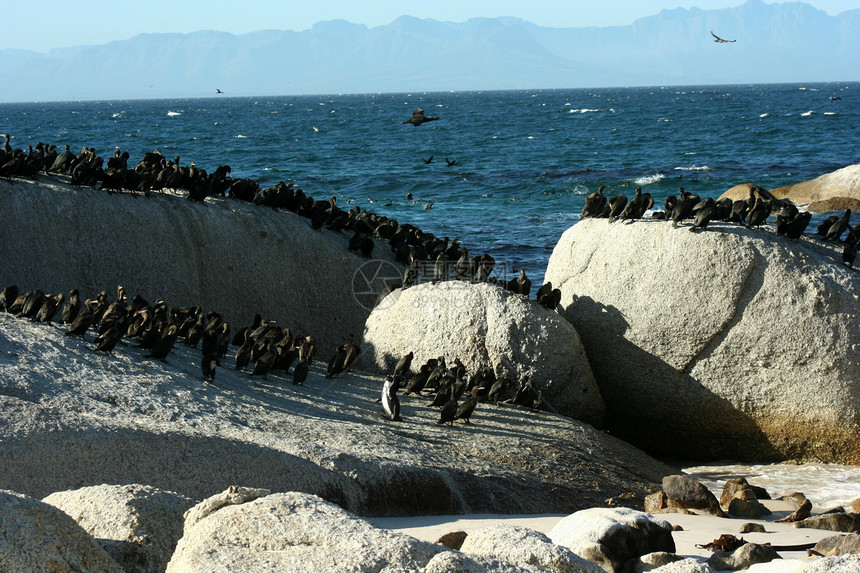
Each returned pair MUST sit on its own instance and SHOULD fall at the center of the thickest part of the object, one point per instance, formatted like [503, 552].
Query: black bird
[759, 212]
[81, 323]
[521, 284]
[210, 361]
[834, 233]
[616, 206]
[705, 211]
[849, 252]
[418, 118]
[466, 409]
[798, 225]
[343, 358]
[390, 401]
[594, 203]
[8, 296]
[449, 411]
[418, 380]
[428, 161]
[637, 206]
[403, 365]
[451, 162]
[106, 341]
[218, 91]
[719, 40]
[684, 206]
[163, 347]
[300, 372]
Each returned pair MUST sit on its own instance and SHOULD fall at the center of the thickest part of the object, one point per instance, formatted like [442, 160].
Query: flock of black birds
[447, 385]
[751, 212]
[263, 347]
[425, 254]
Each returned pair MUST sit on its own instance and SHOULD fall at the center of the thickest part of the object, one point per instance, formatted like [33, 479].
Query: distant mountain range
[788, 42]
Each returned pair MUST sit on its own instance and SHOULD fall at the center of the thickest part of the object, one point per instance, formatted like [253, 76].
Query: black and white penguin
[390, 401]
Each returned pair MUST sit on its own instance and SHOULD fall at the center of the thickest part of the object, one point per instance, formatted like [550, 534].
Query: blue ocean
[509, 169]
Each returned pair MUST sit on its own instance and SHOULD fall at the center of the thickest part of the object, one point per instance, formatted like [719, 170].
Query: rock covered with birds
[484, 327]
[736, 340]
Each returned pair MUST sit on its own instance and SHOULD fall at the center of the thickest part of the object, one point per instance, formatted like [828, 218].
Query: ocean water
[525, 160]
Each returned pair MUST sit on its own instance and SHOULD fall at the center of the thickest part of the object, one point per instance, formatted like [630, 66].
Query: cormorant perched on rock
[705, 211]
[849, 252]
[684, 206]
[210, 361]
[449, 411]
[466, 409]
[8, 296]
[403, 365]
[521, 284]
[795, 228]
[390, 401]
[594, 203]
[549, 297]
[105, 342]
[758, 213]
[163, 347]
[49, 308]
[616, 206]
[300, 372]
[344, 356]
[419, 379]
[834, 233]
[418, 118]
[637, 206]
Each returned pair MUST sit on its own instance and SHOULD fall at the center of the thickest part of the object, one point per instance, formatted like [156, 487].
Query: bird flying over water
[418, 118]
[218, 91]
[720, 40]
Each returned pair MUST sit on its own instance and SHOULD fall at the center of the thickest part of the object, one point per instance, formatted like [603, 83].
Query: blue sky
[46, 24]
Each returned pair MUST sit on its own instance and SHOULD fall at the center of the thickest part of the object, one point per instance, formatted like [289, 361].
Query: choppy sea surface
[525, 160]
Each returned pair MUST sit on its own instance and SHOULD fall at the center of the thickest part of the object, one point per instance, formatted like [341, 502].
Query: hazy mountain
[789, 42]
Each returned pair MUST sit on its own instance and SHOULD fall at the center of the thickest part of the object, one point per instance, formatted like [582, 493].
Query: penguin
[390, 401]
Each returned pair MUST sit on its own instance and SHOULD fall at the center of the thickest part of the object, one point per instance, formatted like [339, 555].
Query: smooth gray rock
[124, 419]
[839, 189]
[291, 532]
[36, 537]
[230, 256]
[742, 557]
[688, 565]
[454, 562]
[483, 324]
[688, 493]
[137, 525]
[612, 536]
[705, 343]
[524, 546]
[839, 544]
[846, 522]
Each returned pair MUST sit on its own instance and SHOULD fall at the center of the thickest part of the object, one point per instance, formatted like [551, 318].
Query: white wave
[118, 114]
[172, 113]
[693, 168]
[807, 113]
[825, 485]
[667, 119]
[240, 136]
[765, 115]
[584, 110]
[649, 179]
[829, 113]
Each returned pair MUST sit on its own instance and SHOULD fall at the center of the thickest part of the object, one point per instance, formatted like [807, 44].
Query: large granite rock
[70, 418]
[837, 190]
[291, 532]
[37, 537]
[612, 536]
[727, 343]
[840, 564]
[137, 525]
[485, 325]
[524, 546]
[233, 257]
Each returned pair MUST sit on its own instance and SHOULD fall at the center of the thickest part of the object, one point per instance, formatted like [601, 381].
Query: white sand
[697, 529]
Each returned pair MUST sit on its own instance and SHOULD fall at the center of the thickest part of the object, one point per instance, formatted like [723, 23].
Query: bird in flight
[720, 40]
[418, 118]
[218, 91]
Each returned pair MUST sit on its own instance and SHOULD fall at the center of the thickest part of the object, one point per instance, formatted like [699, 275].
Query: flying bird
[218, 91]
[719, 40]
[418, 118]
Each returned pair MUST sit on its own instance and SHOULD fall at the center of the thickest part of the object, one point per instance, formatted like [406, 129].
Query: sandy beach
[697, 528]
